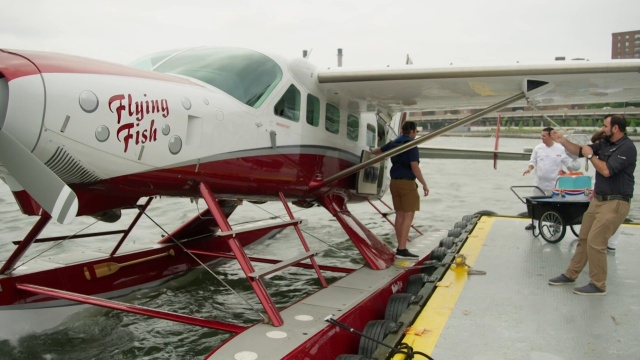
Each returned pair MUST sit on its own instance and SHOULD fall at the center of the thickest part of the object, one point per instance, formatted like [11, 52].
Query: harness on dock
[460, 260]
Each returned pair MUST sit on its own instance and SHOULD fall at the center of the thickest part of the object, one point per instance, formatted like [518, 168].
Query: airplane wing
[409, 88]
[389, 91]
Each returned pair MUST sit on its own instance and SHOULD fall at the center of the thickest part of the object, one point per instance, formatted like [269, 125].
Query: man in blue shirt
[405, 170]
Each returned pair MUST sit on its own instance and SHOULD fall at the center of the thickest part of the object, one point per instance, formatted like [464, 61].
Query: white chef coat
[547, 162]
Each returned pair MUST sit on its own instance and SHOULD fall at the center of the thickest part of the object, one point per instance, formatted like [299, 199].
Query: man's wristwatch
[589, 156]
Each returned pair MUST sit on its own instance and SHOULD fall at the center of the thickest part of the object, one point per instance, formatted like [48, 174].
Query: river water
[457, 188]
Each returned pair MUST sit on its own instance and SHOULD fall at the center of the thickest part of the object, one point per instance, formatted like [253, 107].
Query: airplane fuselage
[130, 132]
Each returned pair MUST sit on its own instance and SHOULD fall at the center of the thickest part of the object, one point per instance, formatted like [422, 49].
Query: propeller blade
[38, 180]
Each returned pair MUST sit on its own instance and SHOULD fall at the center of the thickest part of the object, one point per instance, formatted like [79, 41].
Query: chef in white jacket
[547, 160]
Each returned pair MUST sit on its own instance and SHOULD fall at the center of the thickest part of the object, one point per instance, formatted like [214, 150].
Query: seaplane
[87, 138]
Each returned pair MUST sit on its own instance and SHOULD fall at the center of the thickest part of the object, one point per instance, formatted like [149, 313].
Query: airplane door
[368, 178]
[374, 180]
[387, 131]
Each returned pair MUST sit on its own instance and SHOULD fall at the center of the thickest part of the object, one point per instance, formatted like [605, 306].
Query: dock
[511, 312]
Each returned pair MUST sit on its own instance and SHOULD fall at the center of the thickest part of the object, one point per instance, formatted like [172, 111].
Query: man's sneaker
[405, 253]
[611, 250]
[562, 279]
[529, 227]
[589, 289]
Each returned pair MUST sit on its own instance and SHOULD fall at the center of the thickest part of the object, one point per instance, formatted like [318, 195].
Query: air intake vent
[69, 169]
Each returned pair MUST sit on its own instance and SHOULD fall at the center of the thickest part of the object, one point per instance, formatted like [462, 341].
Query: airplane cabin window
[288, 106]
[148, 62]
[353, 127]
[371, 136]
[247, 75]
[313, 110]
[332, 119]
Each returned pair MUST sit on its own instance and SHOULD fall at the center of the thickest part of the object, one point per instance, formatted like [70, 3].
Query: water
[457, 188]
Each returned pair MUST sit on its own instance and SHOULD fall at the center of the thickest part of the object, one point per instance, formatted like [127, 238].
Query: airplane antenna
[307, 54]
[409, 61]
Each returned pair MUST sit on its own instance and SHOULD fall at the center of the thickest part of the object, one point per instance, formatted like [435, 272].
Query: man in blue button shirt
[614, 159]
[405, 170]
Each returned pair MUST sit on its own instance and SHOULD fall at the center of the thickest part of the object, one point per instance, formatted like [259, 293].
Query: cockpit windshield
[247, 75]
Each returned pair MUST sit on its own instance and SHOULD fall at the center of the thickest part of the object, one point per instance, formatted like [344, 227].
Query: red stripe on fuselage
[248, 177]
[15, 64]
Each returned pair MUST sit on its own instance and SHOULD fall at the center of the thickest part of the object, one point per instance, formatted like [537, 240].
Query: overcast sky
[371, 33]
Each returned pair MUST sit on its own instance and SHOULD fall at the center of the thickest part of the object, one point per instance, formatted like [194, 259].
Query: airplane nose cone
[22, 101]
[4, 100]
[22, 98]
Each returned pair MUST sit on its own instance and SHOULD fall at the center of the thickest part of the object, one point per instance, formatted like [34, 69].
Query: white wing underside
[406, 89]
[428, 152]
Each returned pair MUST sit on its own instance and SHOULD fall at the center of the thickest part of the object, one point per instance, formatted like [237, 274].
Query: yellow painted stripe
[425, 331]
[631, 225]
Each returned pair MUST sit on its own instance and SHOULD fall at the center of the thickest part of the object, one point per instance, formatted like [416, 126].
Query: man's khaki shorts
[405, 195]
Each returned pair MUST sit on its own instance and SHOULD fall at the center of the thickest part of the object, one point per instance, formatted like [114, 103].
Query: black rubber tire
[415, 284]
[486, 212]
[396, 306]
[448, 242]
[460, 225]
[454, 233]
[439, 253]
[377, 330]
[351, 357]
[551, 227]
[468, 218]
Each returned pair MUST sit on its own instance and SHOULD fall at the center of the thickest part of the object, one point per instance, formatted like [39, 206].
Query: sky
[373, 33]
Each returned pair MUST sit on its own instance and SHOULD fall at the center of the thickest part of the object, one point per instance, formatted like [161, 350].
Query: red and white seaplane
[81, 137]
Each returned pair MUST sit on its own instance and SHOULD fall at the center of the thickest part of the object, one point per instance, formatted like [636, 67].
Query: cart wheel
[551, 227]
[576, 230]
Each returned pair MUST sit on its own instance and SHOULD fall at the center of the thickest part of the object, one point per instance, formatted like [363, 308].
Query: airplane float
[82, 137]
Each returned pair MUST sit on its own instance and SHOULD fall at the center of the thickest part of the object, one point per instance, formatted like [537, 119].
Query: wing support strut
[135, 309]
[529, 88]
[255, 277]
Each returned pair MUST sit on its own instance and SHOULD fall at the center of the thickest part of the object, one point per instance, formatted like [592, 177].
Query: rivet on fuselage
[102, 133]
[88, 101]
[186, 103]
[175, 144]
[166, 129]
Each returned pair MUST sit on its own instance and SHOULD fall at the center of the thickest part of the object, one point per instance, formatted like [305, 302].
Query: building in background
[625, 45]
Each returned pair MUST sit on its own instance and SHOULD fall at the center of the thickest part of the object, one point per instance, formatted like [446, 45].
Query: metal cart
[553, 215]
